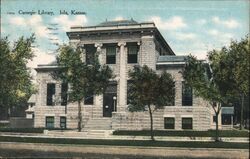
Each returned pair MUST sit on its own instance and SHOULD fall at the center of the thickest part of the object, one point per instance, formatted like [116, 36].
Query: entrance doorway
[110, 100]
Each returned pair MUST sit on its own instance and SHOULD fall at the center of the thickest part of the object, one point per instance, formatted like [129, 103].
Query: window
[64, 95]
[214, 119]
[129, 91]
[132, 53]
[110, 54]
[90, 54]
[226, 119]
[187, 123]
[49, 122]
[63, 122]
[89, 100]
[169, 123]
[50, 94]
[171, 100]
[187, 95]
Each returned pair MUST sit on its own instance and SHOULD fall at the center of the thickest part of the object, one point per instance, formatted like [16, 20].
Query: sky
[189, 26]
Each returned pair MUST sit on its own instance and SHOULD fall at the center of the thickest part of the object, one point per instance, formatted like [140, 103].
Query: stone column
[83, 55]
[99, 52]
[98, 100]
[122, 101]
[57, 99]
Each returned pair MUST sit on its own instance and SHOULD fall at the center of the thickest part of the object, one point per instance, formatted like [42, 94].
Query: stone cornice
[113, 27]
[78, 32]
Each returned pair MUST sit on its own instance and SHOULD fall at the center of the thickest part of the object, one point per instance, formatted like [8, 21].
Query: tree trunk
[217, 112]
[79, 116]
[241, 112]
[217, 128]
[151, 123]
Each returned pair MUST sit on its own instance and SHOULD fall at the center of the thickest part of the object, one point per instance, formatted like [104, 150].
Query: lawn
[185, 133]
[27, 130]
[190, 144]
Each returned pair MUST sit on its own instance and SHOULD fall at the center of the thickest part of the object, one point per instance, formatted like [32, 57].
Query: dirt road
[119, 152]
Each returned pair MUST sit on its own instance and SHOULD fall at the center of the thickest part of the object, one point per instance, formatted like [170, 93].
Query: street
[31, 150]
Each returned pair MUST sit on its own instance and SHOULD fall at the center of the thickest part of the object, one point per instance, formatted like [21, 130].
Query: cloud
[41, 57]
[34, 22]
[118, 18]
[66, 23]
[185, 36]
[213, 32]
[220, 36]
[201, 21]
[200, 54]
[173, 23]
[18, 21]
[230, 23]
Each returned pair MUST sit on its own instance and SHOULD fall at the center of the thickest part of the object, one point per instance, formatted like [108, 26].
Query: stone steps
[98, 124]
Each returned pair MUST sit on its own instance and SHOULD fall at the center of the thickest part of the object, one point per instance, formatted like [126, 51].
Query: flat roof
[172, 58]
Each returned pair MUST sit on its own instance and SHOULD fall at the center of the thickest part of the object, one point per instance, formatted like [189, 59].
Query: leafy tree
[150, 91]
[15, 84]
[234, 63]
[223, 77]
[206, 84]
[83, 79]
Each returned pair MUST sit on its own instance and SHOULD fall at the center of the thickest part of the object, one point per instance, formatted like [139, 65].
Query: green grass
[190, 144]
[22, 130]
[186, 133]
[4, 125]
[25, 130]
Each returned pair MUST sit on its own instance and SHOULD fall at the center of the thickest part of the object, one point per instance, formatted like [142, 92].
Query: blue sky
[189, 26]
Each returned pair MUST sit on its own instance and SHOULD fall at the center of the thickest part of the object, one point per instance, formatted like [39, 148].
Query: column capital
[121, 43]
[98, 45]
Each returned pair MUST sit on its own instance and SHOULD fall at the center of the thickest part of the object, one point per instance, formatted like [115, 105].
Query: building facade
[121, 45]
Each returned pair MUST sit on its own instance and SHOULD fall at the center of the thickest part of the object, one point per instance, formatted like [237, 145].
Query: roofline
[171, 63]
[164, 41]
[148, 25]
[109, 27]
[46, 67]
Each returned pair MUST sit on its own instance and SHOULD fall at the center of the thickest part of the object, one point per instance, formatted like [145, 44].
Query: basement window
[187, 123]
[169, 123]
[49, 122]
[63, 122]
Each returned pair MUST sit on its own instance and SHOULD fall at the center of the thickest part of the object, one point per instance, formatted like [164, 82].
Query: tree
[84, 80]
[150, 91]
[207, 83]
[15, 84]
[224, 78]
[235, 62]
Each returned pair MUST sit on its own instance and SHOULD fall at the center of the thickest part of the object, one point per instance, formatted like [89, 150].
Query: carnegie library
[121, 45]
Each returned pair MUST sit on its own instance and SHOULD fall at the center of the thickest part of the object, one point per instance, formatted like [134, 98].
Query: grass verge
[185, 133]
[26, 130]
[190, 144]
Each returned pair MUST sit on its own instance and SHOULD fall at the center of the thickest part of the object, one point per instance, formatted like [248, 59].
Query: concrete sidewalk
[57, 150]
[103, 134]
